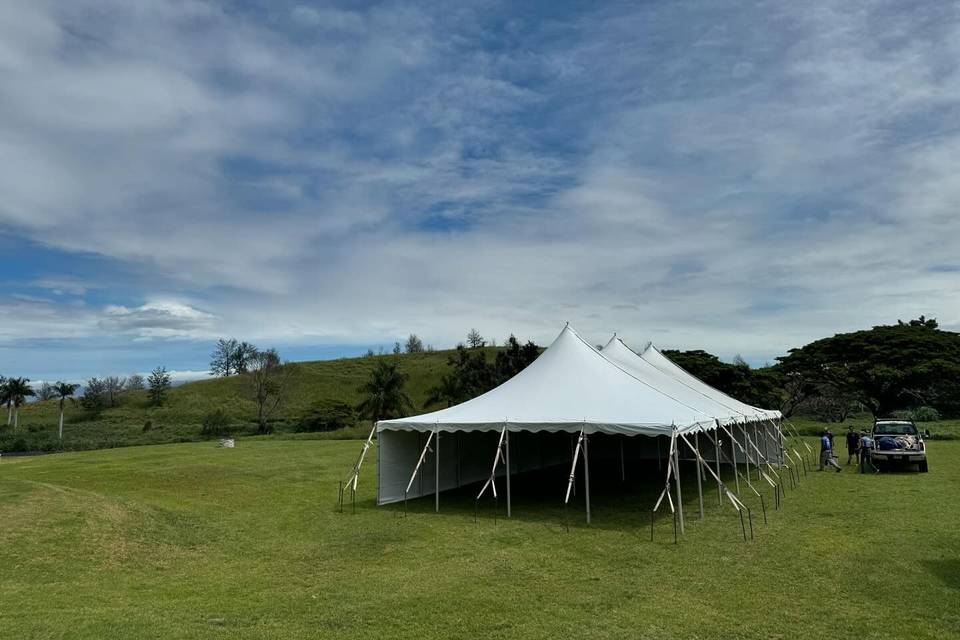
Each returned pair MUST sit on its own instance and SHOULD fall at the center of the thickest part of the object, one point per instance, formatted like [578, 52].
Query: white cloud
[158, 319]
[371, 173]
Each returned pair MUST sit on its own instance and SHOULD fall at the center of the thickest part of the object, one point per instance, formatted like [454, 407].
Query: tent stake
[763, 506]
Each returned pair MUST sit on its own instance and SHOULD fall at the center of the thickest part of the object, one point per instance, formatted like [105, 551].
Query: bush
[216, 423]
[328, 416]
[147, 426]
[925, 414]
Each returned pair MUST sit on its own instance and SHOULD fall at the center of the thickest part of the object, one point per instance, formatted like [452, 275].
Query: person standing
[853, 445]
[866, 450]
[826, 452]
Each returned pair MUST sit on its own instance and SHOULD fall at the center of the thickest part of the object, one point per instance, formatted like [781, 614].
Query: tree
[159, 383]
[885, 368]
[112, 388]
[221, 360]
[63, 390]
[475, 340]
[514, 358]
[135, 382]
[268, 380]
[6, 399]
[243, 356]
[384, 394]
[94, 395]
[414, 344]
[231, 356]
[18, 390]
[46, 392]
[396, 348]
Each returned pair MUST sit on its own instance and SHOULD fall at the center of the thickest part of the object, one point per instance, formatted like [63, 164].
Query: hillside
[314, 384]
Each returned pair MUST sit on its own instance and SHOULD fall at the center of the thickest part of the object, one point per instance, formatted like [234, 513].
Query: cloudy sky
[740, 177]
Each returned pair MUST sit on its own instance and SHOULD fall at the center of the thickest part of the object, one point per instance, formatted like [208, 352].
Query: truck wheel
[923, 466]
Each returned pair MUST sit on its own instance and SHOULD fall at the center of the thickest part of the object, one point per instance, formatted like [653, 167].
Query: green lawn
[190, 541]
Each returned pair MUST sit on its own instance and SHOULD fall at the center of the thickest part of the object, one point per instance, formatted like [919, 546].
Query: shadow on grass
[616, 505]
[947, 570]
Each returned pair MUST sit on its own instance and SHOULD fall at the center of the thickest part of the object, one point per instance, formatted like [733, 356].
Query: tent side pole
[506, 442]
[733, 461]
[716, 453]
[623, 468]
[586, 475]
[676, 478]
[696, 443]
[746, 448]
[436, 473]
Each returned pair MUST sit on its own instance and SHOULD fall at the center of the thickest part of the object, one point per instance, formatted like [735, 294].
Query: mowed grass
[191, 541]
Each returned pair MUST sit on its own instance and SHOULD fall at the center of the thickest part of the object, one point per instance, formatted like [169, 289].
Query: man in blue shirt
[826, 453]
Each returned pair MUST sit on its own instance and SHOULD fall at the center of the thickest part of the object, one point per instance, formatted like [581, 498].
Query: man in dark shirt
[853, 445]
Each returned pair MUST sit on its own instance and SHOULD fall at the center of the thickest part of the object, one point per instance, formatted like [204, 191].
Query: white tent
[544, 413]
[652, 356]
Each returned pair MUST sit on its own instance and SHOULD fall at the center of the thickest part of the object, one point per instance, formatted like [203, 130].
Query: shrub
[328, 416]
[216, 423]
[147, 426]
[925, 414]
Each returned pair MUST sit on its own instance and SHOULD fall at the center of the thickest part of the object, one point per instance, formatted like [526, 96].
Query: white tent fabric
[690, 395]
[570, 387]
[653, 356]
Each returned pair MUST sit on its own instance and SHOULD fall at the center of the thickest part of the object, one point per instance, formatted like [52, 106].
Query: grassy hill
[314, 384]
[191, 541]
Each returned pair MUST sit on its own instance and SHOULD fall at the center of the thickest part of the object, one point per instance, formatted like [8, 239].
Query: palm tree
[5, 399]
[64, 390]
[384, 395]
[447, 391]
[17, 391]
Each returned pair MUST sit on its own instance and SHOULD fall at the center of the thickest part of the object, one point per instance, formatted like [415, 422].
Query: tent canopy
[570, 387]
[653, 356]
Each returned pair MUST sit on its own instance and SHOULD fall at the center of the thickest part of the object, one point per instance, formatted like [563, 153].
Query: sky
[741, 177]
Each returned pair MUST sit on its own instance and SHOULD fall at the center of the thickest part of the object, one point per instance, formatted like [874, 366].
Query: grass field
[190, 541]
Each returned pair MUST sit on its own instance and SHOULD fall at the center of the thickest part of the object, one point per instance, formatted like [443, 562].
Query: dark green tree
[158, 384]
[887, 367]
[384, 393]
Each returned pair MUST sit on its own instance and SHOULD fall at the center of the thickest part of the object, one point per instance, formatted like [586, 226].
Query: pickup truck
[898, 442]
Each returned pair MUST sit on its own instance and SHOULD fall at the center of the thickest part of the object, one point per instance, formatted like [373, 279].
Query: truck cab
[898, 443]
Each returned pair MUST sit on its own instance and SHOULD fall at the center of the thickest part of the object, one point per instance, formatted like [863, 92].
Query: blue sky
[322, 177]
